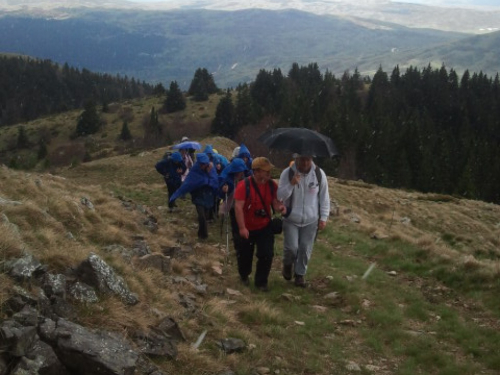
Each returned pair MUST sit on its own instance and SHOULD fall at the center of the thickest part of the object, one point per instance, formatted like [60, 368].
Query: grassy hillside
[62, 149]
[429, 306]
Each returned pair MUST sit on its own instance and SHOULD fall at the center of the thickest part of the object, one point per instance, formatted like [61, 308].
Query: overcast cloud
[454, 3]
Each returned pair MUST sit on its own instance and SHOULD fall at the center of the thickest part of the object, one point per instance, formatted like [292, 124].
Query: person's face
[304, 164]
[261, 176]
[183, 151]
[205, 167]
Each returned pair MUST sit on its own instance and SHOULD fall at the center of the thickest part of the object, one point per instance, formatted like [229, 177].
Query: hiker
[229, 178]
[244, 153]
[215, 157]
[303, 189]
[253, 198]
[188, 161]
[190, 151]
[218, 162]
[171, 167]
[202, 183]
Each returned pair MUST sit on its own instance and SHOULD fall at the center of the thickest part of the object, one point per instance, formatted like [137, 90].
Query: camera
[260, 213]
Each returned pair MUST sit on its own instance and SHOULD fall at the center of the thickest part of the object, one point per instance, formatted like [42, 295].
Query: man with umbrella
[304, 190]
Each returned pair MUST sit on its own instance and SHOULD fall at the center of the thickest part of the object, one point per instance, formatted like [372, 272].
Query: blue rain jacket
[201, 185]
[168, 166]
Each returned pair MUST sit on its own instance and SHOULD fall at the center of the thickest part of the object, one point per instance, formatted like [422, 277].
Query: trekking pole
[226, 217]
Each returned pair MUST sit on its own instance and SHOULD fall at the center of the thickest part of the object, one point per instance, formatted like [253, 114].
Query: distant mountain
[456, 15]
[166, 46]
[165, 41]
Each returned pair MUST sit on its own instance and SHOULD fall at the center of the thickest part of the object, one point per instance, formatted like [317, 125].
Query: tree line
[425, 129]
[30, 88]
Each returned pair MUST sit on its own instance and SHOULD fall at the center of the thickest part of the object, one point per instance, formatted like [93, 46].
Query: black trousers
[172, 188]
[263, 240]
[203, 215]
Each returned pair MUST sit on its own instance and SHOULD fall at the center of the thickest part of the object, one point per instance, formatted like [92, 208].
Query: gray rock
[170, 328]
[232, 345]
[60, 308]
[48, 361]
[25, 268]
[83, 293]
[27, 317]
[154, 261]
[47, 331]
[115, 249]
[15, 339]
[93, 353]
[155, 345]
[54, 285]
[18, 300]
[87, 203]
[4, 364]
[95, 272]
[141, 248]
[28, 366]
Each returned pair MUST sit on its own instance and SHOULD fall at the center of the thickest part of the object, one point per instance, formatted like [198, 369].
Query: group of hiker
[242, 191]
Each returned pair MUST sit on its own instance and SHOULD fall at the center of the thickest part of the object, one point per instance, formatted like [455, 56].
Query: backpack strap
[319, 177]
[317, 170]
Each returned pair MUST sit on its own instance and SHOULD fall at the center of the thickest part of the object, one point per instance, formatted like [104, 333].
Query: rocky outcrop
[95, 272]
[40, 336]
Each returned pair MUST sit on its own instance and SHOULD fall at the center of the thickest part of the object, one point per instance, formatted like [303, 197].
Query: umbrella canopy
[299, 140]
[188, 144]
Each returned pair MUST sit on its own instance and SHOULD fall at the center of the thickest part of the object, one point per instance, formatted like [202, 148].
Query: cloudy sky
[490, 3]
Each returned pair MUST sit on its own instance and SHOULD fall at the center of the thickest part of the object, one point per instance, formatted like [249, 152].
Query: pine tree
[22, 138]
[223, 122]
[244, 112]
[202, 85]
[42, 149]
[89, 121]
[125, 134]
[175, 99]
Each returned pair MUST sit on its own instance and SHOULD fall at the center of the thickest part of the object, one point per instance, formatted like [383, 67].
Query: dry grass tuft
[11, 245]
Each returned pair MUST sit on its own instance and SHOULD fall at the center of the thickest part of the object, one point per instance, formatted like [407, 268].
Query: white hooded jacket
[304, 202]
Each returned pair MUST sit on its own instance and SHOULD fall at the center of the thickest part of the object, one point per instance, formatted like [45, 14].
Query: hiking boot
[245, 281]
[287, 272]
[262, 288]
[300, 281]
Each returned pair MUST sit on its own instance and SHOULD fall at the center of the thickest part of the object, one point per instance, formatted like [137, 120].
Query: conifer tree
[42, 149]
[22, 138]
[223, 123]
[89, 121]
[244, 112]
[202, 85]
[125, 134]
[175, 99]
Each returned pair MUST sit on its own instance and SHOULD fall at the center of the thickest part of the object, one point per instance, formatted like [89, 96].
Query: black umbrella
[299, 140]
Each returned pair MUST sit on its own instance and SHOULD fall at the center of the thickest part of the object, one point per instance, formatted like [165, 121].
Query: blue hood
[176, 157]
[244, 152]
[202, 158]
[209, 149]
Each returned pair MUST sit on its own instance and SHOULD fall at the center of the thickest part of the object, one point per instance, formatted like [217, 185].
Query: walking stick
[226, 218]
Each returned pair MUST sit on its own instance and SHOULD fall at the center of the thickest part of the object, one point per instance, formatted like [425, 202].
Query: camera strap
[256, 188]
